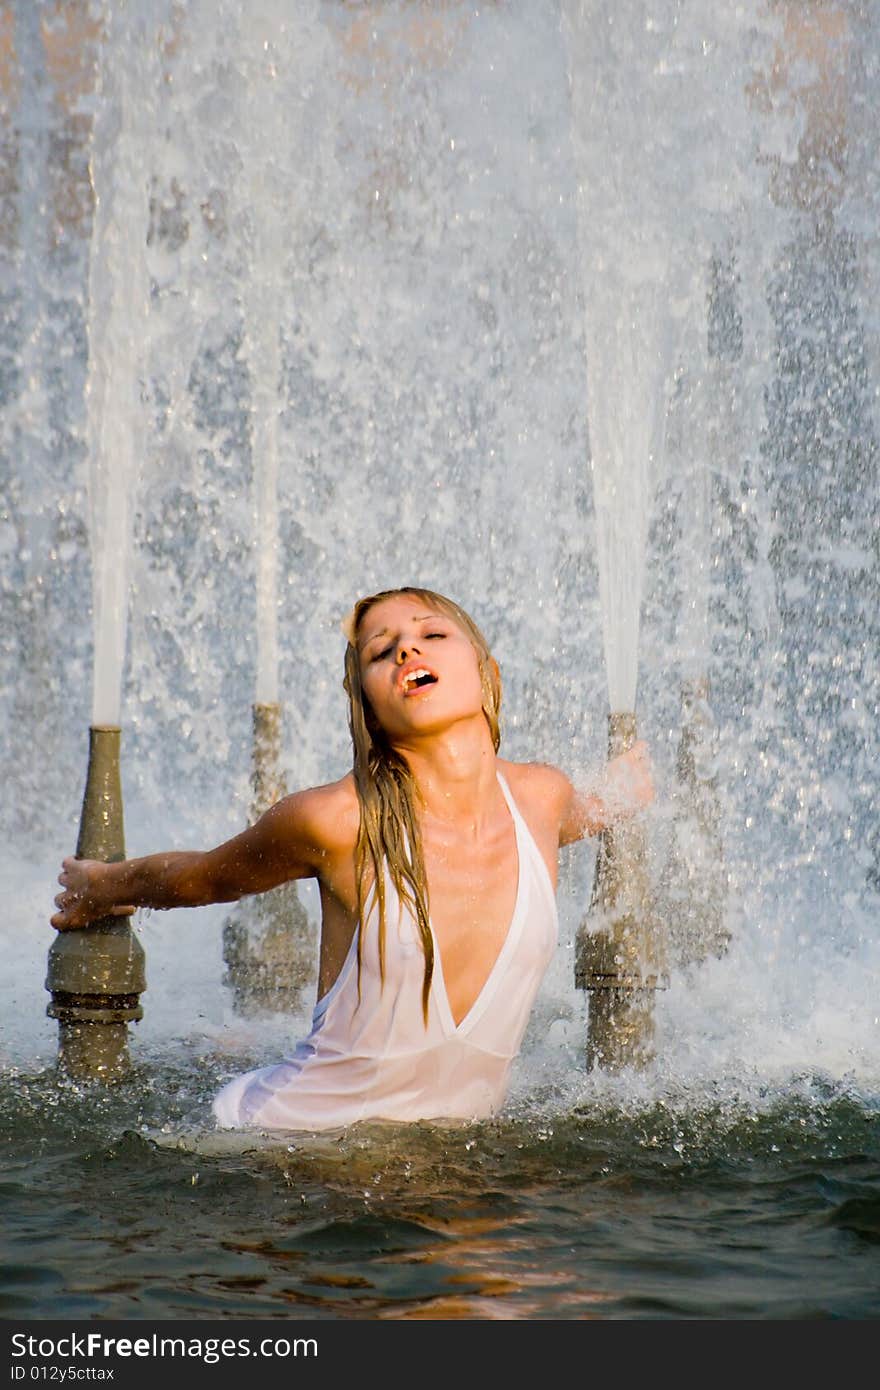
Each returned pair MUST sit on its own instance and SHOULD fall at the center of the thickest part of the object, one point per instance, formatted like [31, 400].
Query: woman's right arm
[625, 787]
[293, 839]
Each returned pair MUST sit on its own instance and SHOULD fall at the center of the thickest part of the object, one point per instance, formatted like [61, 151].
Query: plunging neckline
[484, 994]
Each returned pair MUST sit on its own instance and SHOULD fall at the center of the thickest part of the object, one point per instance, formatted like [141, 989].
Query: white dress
[375, 1058]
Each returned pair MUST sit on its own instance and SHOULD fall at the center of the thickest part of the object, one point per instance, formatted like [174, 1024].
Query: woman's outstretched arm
[291, 840]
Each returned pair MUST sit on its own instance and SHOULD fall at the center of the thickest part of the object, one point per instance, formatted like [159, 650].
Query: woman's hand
[86, 897]
[625, 788]
[628, 783]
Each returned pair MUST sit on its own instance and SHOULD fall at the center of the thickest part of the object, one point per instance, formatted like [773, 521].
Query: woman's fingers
[71, 913]
[75, 908]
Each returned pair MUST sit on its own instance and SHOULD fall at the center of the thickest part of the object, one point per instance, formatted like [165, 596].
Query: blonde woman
[436, 862]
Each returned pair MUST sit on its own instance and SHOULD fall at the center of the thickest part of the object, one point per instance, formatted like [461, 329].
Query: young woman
[436, 862]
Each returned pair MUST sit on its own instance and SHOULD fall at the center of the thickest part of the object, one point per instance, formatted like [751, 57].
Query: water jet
[269, 943]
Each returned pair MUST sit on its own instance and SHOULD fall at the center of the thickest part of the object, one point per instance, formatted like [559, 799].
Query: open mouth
[417, 680]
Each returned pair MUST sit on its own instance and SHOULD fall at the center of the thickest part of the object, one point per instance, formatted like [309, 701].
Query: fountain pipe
[694, 884]
[269, 941]
[96, 973]
[267, 779]
[620, 955]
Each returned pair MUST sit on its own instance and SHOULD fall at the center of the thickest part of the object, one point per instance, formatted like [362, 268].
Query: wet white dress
[375, 1059]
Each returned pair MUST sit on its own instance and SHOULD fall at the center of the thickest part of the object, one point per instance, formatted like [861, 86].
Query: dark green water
[125, 1203]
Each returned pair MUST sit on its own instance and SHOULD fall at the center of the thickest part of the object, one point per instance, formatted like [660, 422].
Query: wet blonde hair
[389, 833]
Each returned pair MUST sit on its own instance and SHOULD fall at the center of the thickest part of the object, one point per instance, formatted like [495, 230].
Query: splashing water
[601, 368]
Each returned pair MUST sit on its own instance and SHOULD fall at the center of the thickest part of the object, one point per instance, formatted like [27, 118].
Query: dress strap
[514, 809]
[526, 840]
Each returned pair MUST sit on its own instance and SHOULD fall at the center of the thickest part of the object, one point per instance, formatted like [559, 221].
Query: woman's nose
[404, 652]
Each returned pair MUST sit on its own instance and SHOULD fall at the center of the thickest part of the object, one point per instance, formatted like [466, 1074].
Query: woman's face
[419, 669]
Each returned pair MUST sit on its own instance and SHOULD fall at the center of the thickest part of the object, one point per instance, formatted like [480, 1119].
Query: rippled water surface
[126, 1203]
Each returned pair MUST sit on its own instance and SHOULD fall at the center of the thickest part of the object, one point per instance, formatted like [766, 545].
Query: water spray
[620, 948]
[96, 973]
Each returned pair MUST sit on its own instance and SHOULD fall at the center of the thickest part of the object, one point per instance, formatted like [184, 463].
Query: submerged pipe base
[96, 1051]
[621, 1028]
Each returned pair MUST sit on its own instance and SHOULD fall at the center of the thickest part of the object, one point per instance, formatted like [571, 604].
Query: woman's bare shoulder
[328, 816]
[542, 783]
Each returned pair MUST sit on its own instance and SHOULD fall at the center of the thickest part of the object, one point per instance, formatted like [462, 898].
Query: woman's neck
[456, 773]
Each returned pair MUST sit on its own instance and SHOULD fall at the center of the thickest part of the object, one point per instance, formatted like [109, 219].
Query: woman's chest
[472, 892]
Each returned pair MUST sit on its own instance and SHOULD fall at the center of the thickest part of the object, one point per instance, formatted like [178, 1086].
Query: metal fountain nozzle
[96, 974]
[620, 955]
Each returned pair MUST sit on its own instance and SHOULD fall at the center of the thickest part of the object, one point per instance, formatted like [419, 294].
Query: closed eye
[386, 651]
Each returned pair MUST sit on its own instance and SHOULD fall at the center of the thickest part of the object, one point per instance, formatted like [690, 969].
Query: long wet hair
[389, 834]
